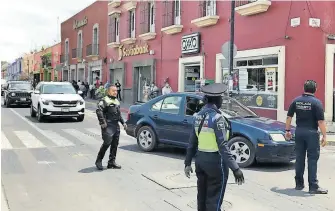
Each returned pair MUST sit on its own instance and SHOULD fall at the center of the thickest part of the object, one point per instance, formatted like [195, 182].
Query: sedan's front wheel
[146, 139]
[242, 150]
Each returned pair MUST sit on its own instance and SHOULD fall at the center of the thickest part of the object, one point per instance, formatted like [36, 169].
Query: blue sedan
[168, 119]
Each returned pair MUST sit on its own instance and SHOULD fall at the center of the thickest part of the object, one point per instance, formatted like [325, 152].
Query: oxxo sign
[190, 43]
[133, 51]
[81, 23]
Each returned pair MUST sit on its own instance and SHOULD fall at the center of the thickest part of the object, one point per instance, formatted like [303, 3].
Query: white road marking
[95, 131]
[86, 138]
[29, 140]
[5, 144]
[58, 139]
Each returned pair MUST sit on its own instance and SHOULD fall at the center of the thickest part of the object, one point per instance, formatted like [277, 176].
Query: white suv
[57, 99]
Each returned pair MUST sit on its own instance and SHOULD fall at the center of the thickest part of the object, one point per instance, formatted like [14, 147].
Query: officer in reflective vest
[109, 116]
[208, 142]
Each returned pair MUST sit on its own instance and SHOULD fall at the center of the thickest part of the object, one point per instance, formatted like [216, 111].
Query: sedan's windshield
[58, 89]
[232, 109]
[20, 86]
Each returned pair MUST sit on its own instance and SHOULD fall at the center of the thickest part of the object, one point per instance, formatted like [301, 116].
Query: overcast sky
[29, 24]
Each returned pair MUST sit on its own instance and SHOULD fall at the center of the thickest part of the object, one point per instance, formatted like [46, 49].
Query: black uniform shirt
[309, 111]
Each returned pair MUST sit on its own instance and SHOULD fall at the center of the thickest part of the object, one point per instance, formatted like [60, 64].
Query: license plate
[23, 99]
[65, 110]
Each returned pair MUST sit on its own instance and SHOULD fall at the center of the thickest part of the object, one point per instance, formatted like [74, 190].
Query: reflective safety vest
[110, 101]
[207, 138]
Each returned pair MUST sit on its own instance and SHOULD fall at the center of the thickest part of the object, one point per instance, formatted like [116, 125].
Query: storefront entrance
[73, 74]
[81, 74]
[65, 75]
[144, 82]
[116, 74]
[192, 73]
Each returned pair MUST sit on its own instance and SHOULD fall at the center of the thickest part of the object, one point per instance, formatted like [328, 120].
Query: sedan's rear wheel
[243, 151]
[146, 139]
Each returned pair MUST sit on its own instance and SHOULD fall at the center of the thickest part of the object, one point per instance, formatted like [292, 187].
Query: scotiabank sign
[77, 24]
[133, 51]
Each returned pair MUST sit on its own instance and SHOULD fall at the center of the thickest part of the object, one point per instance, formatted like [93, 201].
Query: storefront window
[254, 81]
[192, 73]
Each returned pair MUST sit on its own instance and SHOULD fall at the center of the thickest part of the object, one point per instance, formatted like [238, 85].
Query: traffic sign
[225, 50]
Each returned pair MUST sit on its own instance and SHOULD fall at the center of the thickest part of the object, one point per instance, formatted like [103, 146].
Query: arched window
[80, 44]
[95, 42]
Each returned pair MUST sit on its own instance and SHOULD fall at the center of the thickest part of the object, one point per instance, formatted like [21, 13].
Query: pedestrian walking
[309, 116]
[118, 86]
[109, 116]
[208, 141]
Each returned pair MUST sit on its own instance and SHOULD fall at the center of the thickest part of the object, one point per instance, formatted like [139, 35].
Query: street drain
[226, 205]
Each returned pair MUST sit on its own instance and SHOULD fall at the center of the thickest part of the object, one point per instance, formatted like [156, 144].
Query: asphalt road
[50, 166]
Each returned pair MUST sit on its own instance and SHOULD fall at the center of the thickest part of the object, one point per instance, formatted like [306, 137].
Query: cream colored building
[28, 63]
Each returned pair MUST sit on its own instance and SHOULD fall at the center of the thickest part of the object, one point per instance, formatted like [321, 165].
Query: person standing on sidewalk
[208, 141]
[309, 116]
[109, 116]
[118, 86]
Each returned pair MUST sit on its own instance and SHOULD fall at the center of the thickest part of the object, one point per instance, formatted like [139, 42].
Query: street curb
[123, 110]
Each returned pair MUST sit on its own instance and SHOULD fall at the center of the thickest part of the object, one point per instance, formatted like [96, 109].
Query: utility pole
[232, 34]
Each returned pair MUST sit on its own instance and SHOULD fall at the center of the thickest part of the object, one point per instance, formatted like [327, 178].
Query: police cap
[216, 89]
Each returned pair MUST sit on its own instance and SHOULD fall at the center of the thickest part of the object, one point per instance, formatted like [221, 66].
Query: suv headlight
[13, 94]
[81, 102]
[45, 102]
[278, 137]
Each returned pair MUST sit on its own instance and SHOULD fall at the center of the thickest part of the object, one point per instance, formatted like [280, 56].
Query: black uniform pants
[212, 176]
[118, 96]
[307, 141]
[111, 137]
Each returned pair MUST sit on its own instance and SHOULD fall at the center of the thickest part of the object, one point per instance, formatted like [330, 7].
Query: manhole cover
[225, 205]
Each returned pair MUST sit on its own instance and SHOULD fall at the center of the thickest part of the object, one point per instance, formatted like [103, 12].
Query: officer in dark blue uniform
[208, 141]
[309, 116]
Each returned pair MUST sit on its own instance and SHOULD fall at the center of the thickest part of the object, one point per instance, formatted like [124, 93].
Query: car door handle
[185, 121]
[155, 116]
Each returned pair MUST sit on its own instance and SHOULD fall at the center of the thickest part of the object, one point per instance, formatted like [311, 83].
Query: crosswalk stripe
[95, 131]
[5, 144]
[81, 136]
[29, 140]
[58, 139]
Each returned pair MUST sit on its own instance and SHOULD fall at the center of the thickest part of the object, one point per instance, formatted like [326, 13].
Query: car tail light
[128, 115]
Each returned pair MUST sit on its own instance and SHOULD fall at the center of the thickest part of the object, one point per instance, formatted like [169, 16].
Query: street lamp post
[232, 35]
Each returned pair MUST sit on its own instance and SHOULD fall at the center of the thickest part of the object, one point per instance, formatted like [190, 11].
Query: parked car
[17, 92]
[57, 99]
[168, 120]
[3, 86]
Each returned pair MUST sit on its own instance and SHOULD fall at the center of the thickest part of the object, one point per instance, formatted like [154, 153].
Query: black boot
[111, 162]
[318, 191]
[98, 164]
[299, 183]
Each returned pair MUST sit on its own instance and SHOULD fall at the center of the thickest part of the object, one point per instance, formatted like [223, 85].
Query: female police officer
[213, 156]
[309, 117]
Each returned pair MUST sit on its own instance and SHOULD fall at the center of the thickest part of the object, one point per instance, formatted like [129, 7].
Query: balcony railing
[241, 3]
[207, 8]
[92, 50]
[79, 53]
[74, 53]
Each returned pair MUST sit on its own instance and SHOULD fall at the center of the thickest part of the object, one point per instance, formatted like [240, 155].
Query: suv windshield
[232, 109]
[58, 89]
[20, 86]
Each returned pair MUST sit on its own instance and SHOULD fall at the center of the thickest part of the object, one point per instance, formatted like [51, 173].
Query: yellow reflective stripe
[111, 101]
[207, 142]
[205, 150]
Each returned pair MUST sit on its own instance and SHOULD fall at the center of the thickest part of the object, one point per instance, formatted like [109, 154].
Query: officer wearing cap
[309, 116]
[208, 142]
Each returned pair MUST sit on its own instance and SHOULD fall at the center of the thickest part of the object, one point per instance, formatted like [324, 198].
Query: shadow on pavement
[164, 151]
[55, 120]
[271, 167]
[291, 192]
[89, 170]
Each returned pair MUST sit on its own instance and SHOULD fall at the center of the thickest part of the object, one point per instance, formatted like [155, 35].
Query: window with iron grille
[113, 29]
[66, 59]
[207, 8]
[79, 45]
[171, 13]
[131, 24]
[74, 53]
[95, 46]
[147, 10]
[244, 2]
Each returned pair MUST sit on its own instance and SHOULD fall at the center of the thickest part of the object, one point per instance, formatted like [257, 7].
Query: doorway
[73, 74]
[81, 74]
[144, 81]
[65, 75]
[192, 73]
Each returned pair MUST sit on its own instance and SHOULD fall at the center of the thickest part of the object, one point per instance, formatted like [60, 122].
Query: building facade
[14, 69]
[4, 66]
[28, 64]
[84, 44]
[183, 41]
[37, 66]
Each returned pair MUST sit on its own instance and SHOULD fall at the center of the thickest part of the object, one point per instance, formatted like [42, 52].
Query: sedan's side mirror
[37, 92]
[80, 92]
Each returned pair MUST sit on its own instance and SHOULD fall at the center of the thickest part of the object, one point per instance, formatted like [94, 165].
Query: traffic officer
[109, 116]
[309, 116]
[208, 141]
